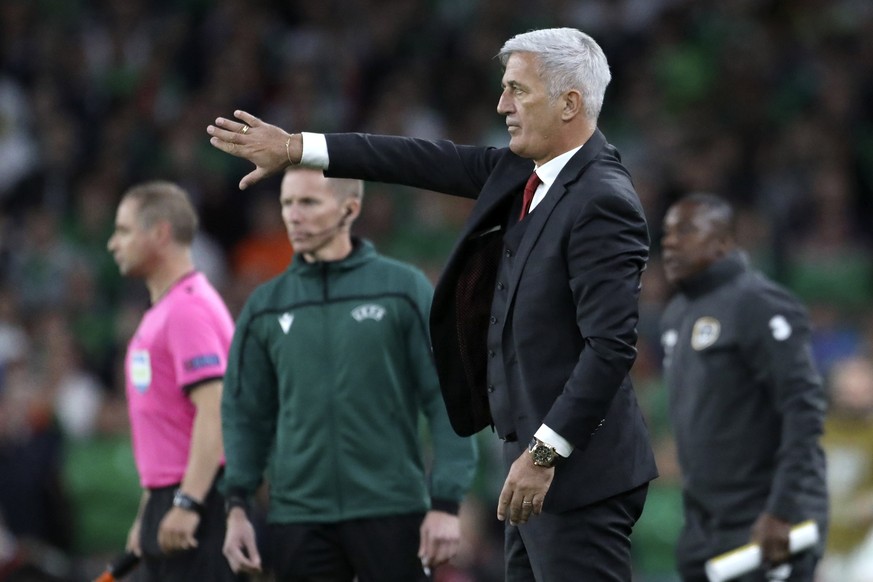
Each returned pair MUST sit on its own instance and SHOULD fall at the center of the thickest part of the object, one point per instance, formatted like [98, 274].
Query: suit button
[490, 387]
[508, 253]
[500, 286]
[490, 353]
[493, 320]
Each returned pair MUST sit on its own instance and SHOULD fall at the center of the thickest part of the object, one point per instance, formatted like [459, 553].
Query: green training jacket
[329, 373]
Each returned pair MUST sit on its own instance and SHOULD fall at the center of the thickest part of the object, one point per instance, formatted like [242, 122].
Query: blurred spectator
[834, 335]
[18, 150]
[830, 263]
[76, 393]
[14, 341]
[102, 486]
[32, 497]
[40, 262]
[265, 251]
[848, 442]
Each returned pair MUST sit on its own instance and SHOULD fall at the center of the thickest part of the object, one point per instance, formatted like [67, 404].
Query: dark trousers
[591, 543]
[205, 562]
[383, 549]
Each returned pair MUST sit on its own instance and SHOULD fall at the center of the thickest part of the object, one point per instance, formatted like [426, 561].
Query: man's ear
[572, 105]
[352, 211]
[163, 231]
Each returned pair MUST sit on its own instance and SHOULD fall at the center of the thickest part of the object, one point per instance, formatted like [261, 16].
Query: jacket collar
[362, 252]
[538, 218]
[715, 275]
[517, 171]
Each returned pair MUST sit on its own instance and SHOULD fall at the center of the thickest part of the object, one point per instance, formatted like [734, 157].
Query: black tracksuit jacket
[746, 402]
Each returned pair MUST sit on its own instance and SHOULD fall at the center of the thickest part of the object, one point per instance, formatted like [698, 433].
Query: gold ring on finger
[244, 129]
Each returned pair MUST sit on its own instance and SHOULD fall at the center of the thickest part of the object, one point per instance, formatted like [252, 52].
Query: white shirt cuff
[553, 439]
[314, 151]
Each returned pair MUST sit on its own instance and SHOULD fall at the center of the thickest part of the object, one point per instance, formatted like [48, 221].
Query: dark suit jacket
[568, 331]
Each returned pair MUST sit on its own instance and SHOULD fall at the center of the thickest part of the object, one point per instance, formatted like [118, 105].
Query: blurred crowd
[766, 102]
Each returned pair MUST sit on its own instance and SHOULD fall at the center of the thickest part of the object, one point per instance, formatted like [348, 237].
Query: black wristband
[184, 501]
[445, 505]
[233, 500]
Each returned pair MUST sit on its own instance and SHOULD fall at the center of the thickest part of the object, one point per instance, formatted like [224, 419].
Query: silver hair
[567, 59]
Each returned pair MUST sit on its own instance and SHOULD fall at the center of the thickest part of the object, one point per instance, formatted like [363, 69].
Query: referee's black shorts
[205, 562]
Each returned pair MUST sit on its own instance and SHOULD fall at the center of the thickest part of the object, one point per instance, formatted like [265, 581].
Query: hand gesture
[268, 147]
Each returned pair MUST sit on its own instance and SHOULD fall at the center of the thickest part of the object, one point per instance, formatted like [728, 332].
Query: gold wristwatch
[542, 454]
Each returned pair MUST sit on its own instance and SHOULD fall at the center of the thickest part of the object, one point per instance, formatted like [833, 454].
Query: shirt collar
[548, 173]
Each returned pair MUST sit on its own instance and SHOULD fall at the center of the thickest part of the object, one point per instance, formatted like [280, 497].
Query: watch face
[184, 502]
[542, 455]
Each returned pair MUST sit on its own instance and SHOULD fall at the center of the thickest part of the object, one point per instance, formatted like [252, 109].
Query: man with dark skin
[746, 401]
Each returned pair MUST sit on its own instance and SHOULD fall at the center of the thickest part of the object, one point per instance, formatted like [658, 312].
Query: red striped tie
[529, 190]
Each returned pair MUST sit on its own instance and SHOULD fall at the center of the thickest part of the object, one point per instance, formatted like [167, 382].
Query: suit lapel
[512, 181]
[540, 217]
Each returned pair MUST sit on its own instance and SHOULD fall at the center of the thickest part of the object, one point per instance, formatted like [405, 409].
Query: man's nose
[504, 104]
[292, 214]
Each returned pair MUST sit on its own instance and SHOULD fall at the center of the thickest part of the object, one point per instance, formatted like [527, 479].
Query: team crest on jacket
[368, 311]
[705, 333]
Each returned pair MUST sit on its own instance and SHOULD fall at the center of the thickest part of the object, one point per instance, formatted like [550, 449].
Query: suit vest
[502, 363]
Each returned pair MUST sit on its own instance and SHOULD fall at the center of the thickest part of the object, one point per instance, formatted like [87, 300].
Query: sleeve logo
[285, 321]
[140, 370]
[204, 361]
[668, 341]
[780, 328]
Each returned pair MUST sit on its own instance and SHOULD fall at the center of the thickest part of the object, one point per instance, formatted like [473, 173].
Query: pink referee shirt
[182, 340]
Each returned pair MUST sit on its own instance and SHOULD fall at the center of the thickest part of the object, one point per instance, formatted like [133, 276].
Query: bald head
[717, 211]
[698, 231]
[343, 188]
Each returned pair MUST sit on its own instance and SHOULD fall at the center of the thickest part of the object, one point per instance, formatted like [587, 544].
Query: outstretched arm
[270, 148]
